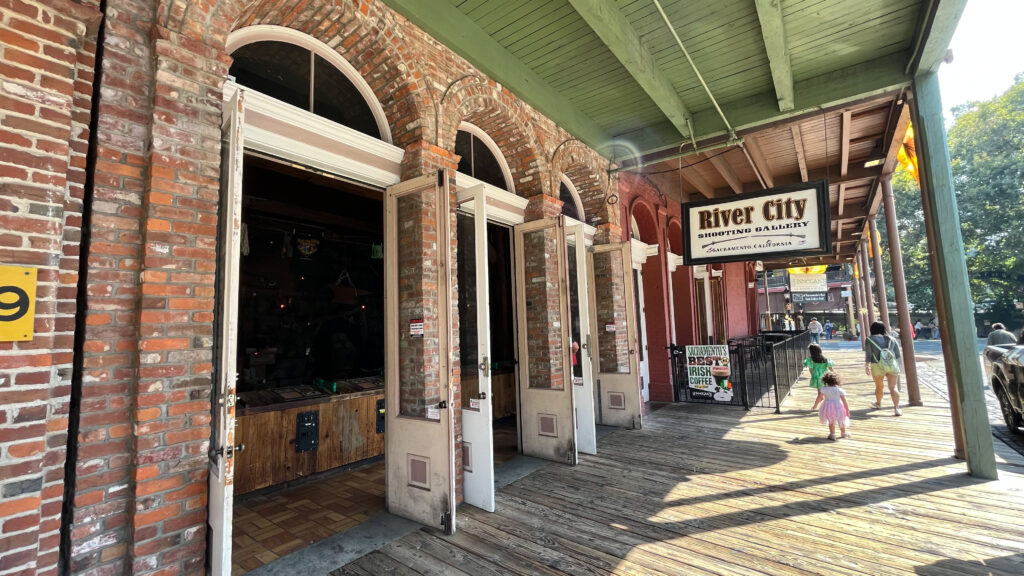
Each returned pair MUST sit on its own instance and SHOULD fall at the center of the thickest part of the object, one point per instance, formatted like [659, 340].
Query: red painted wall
[737, 296]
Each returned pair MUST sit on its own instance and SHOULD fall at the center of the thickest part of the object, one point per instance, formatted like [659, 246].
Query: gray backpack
[886, 356]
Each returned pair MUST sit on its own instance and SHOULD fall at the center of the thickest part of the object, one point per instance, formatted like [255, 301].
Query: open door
[614, 321]
[222, 446]
[475, 349]
[420, 447]
[547, 414]
[579, 333]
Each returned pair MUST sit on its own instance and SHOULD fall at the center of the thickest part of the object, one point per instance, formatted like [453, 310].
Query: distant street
[932, 373]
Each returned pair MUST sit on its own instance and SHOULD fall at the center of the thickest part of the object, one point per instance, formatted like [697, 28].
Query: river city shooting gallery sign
[777, 223]
[707, 372]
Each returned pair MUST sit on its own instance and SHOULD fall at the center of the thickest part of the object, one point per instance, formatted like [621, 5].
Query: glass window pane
[468, 329]
[575, 351]
[568, 202]
[277, 69]
[543, 309]
[419, 370]
[610, 294]
[336, 98]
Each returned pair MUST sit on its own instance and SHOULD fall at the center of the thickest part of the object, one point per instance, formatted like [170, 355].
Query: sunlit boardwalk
[709, 490]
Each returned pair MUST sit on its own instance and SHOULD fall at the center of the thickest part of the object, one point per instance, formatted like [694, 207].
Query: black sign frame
[824, 224]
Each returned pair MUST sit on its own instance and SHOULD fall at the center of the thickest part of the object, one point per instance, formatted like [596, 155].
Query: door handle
[228, 451]
[442, 404]
[482, 396]
[485, 366]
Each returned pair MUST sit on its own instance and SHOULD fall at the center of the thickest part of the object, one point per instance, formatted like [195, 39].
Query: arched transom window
[295, 70]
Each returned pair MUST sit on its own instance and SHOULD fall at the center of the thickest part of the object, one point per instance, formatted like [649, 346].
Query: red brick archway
[489, 106]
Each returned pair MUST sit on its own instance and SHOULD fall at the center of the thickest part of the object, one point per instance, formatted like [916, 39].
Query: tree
[986, 147]
[913, 241]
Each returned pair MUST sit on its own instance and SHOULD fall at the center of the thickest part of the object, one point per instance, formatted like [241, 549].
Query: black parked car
[1006, 367]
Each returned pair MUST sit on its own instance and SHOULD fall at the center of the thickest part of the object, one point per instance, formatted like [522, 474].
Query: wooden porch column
[883, 301]
[858, 298]
[850, 305]
[899, 285]
[865, 276]
[950, 276]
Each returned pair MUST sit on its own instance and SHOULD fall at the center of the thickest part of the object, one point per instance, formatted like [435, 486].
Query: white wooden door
[580, 334]
[420, 449]
[475, 323]
[222, 446]
[614, 327]
[546, 411]
[643, 362]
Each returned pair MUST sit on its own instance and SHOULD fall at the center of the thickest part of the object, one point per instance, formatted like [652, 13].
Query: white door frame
[222, 452]
[586, 421]
[478, 418]
[640, 252]
[420, 451]
[263, 124]
[547, 415]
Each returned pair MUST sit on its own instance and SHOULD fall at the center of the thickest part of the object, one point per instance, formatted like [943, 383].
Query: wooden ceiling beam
[798, 143]
[698, 181]
[769, 13]
[622, 40]
[844, 144]
[757, 160]
[725, 169]
[842, 197]
[934, 33]
[857, 172]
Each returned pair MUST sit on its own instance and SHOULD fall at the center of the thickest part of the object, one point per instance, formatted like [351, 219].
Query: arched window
[571, 205]
[299, 76]
[481, 158]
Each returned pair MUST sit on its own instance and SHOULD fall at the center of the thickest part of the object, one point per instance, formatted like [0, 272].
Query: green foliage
[986, 147]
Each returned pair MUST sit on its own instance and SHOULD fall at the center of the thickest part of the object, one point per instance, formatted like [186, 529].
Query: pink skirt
[833, 412]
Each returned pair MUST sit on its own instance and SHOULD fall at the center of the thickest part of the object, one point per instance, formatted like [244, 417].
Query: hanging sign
[809, 297]
[707, 370]
[808, 283]
[775, 223]
[17, 303]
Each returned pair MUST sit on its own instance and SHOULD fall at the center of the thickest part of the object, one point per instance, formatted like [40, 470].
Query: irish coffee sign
[774, 223]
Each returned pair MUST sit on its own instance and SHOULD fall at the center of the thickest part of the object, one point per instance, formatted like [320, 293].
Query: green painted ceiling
[612, 70]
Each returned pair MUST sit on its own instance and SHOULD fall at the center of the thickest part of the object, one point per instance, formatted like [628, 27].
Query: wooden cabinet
[347, 434]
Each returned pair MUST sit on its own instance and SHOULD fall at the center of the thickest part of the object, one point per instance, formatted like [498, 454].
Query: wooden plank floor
[715, 491]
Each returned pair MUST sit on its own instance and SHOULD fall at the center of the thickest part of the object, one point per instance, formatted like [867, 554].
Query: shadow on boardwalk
[706, 490]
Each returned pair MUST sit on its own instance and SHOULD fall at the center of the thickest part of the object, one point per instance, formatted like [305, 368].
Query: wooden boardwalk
[715, 491]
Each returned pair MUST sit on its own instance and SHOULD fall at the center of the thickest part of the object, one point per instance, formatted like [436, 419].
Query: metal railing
[764, 369]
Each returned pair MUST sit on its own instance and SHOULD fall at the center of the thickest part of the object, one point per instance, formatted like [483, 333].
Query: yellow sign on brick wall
[17, 303]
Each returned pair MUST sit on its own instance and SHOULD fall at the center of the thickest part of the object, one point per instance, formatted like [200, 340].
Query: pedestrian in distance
[1000, 336]
[834, 410]
[815, 328]
[829, 329]
[819, 365]
[881, 362]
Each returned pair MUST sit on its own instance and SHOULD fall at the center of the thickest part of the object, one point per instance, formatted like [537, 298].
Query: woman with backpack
[882, 362]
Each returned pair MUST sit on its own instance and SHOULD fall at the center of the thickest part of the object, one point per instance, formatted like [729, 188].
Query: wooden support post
[851, 322]
[865, 276]
[950, 275]
[876, 251]
[767, 303]
[858, 298]
[899, 285]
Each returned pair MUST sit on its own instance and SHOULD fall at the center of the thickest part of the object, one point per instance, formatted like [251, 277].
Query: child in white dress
[834, 409]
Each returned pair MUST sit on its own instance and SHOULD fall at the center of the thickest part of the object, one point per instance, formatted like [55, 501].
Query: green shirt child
[818, 370]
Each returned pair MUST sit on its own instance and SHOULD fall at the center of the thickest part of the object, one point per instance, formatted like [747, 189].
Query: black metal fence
[763, 370]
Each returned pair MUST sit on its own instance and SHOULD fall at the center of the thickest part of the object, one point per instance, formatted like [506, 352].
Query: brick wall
[46, 71]
[138, 493]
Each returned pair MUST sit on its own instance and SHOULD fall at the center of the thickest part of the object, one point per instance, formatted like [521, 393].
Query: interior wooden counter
[347, 433]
